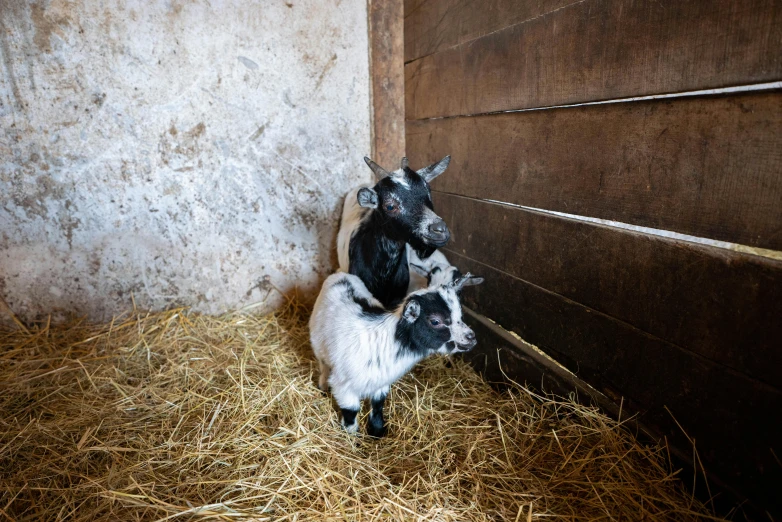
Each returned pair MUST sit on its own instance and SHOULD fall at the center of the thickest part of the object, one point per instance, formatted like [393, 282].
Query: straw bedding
[181, 416]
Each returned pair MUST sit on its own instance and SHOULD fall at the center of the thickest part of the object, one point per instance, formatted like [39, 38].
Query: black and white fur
[362, 348]
[379, 221]
[435, 270]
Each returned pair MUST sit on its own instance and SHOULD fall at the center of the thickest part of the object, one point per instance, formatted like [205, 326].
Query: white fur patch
[428, 218]
[459, 330]
[444, 276]
[362, 352]
[436, 260]
[352, 216]
[398, 177]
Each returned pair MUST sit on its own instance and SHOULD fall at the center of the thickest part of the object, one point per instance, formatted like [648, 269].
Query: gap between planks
[754, 87]
[725, 245]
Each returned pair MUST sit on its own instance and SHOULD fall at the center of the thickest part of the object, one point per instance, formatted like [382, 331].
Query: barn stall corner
[172, 185]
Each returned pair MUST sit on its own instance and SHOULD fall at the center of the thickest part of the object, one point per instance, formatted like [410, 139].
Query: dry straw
[178, 416]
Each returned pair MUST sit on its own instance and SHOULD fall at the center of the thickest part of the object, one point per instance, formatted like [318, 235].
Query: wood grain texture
[412, 5]
[386, 41]
[598, 50]
[720, 304]
[497, 359]
[709, 167]
[500, 355]
[730, 416]
[439, 24]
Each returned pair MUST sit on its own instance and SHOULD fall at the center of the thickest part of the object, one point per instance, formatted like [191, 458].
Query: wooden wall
[671, 328]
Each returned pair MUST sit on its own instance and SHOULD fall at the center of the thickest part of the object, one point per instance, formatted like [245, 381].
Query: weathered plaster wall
[185, 152]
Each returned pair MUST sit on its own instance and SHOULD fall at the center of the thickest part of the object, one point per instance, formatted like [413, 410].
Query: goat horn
[379, 171]
[459, 283]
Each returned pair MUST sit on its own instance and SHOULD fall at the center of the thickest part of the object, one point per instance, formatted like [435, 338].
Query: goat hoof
[349, 420]
[377, 432]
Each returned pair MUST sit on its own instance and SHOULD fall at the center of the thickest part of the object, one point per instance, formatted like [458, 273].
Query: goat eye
[434, 322]
[390, 207]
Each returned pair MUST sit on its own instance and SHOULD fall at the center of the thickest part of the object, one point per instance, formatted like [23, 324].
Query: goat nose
[438, 227]
[470, 335]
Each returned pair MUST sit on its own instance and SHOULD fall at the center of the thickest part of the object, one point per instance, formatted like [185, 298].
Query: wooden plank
[412, 5]
[723, 305]
[730, 416]
[439, 24]
[501, 356]
[386, 42]
[708, 167]
[599, 50]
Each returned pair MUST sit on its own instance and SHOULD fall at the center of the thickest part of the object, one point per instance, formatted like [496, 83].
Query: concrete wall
[184, 152]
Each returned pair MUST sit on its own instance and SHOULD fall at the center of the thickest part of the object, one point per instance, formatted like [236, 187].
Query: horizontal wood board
[499, 356]
[435, 25]
[599, 50]
[730, 416]
[709, 166]
[720, 304]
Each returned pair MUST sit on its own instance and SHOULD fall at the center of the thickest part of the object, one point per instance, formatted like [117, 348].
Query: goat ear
[473, 280]
[379, 171]
[367, 198]
[412, 311]
[435, 169]
[405, 164]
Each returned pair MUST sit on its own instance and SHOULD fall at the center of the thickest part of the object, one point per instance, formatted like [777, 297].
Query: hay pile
[179, 416]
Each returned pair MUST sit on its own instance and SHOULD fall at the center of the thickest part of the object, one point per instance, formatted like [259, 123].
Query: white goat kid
[363, 348]
[435, 270]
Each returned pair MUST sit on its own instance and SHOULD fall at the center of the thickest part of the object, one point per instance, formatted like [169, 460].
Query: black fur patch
[380, 262]
[424, 252]
[376, 427]
[418, 197]
[377, 248]
[349, 416]
[368, 310]
[420, 337]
